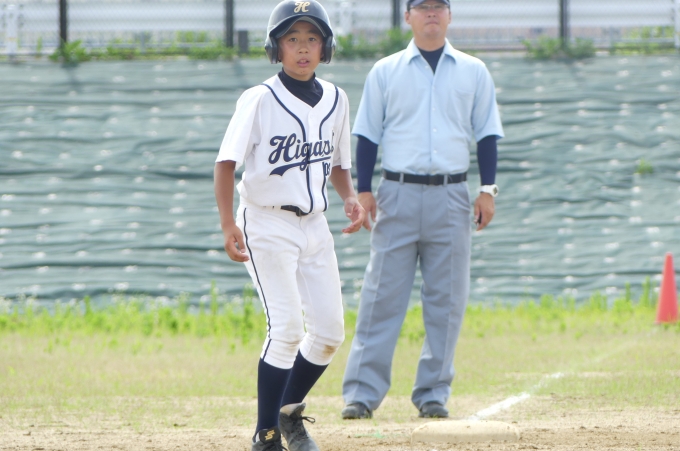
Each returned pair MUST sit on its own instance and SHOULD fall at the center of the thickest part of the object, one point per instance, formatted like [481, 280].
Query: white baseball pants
[295, 271]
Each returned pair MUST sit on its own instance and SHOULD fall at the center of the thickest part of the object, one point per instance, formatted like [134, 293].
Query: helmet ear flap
[271, 46]
[328, 49]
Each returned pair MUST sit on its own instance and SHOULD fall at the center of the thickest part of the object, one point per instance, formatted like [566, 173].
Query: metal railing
[32, 26]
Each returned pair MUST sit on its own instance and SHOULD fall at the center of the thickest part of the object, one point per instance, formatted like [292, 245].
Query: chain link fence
[35, 26]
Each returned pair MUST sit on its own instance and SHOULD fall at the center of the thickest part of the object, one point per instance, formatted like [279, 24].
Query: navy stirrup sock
[302, 379]
[271, 384]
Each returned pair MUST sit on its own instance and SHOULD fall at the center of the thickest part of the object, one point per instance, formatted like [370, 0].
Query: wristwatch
[489, 189]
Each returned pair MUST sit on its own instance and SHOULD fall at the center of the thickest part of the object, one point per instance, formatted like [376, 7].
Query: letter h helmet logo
[301, 7]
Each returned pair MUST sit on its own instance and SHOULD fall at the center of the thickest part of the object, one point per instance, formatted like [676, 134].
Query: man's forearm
[487, 159]
[367, 155]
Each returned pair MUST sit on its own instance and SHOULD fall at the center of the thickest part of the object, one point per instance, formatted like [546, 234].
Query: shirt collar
[412, 50]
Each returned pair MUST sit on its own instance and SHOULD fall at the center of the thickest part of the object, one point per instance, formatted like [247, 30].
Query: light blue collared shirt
[425, 121]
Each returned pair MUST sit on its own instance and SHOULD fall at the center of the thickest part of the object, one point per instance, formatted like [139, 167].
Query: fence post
[677, 24]
[396, 14]
[63, 22]
[229, 23]
[564, 22]
[12, 19]
[243, 42]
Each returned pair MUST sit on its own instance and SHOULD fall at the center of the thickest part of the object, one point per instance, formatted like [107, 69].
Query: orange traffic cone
[667, 310]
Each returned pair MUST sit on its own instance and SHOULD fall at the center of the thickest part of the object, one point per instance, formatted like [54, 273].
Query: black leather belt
[298, 212]
[433, 179]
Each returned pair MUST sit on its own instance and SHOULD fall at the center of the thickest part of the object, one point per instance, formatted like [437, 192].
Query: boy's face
[300, 50]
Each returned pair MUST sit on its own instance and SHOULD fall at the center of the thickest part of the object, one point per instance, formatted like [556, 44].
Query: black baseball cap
[411, 3]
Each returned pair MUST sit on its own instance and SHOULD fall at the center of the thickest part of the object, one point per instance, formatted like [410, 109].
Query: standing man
[424, 106]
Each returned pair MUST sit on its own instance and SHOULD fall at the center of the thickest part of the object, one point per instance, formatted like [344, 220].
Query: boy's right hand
[233, 238]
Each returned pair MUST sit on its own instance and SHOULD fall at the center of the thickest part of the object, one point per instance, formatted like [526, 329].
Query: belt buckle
[432, 179]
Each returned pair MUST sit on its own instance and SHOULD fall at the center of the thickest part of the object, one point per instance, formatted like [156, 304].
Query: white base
[464, 432]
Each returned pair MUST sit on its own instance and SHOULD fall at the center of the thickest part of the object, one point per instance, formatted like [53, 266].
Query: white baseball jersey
[287, 146]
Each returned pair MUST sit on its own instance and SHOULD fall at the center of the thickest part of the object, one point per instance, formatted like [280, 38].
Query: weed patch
[140, 316]
[242, 318]
[646, 41]
[545, 48]
[351, 46]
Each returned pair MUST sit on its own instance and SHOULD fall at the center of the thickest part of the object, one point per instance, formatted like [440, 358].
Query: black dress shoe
[356, 411]
[433, 409]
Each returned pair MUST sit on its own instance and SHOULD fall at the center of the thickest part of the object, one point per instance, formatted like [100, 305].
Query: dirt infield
[544, 423]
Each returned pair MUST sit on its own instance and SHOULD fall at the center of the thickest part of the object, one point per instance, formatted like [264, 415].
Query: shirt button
[434, 130]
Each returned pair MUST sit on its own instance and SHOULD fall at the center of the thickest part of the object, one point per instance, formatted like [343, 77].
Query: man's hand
[356, 213]
[233, 238]
[484, 210]
[367, 201]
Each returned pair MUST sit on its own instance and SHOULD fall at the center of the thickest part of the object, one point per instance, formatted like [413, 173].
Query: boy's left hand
[356, 213]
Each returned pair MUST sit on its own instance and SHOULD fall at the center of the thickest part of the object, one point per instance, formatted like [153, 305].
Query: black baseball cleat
[294, 430]
[433, 409]
[356, 411]
[268, 440]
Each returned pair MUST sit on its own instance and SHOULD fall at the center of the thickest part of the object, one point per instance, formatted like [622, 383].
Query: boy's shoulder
[264, 87]
[253, 95]
[328, 86]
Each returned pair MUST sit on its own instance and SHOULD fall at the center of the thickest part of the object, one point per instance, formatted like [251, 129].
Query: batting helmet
[288, 12]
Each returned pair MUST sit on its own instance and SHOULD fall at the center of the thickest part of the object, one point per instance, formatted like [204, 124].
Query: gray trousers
[415, 223]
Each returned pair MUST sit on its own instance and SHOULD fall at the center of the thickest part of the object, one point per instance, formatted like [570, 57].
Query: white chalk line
[512, 400]
[516, 399]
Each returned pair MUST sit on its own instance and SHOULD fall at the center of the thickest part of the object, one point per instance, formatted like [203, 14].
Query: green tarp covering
[106, 178]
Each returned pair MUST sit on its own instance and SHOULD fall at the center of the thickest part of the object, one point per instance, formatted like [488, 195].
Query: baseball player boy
[292, 134]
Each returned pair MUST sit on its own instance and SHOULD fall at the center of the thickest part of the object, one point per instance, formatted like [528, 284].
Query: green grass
[646, 41]
[139, 316]
[200, 46]
[191, 45]
[350, 46]
[545, 48]
[138, 360]
[240, 321]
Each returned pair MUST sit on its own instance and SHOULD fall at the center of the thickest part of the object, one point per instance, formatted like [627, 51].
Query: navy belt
[298, 212]
[425, 179]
